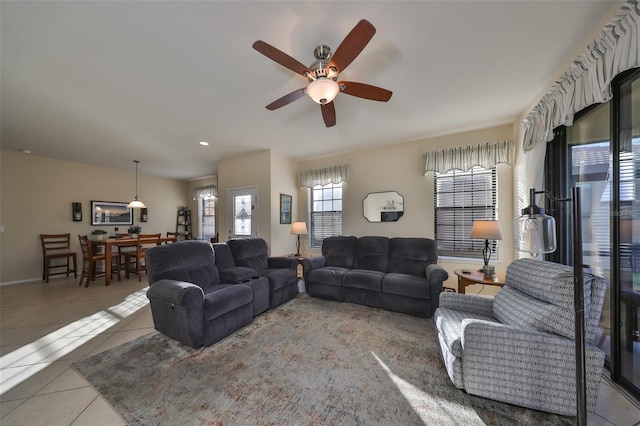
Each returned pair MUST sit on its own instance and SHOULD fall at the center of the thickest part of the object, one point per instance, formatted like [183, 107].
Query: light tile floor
[47, 327]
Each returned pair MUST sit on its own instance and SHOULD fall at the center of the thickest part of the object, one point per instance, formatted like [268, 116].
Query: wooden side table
[473, 276]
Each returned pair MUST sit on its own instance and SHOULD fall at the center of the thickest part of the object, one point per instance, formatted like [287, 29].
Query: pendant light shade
[136, 204]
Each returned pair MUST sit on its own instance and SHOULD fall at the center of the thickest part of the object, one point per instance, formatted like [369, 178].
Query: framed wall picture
[285, 208]
[110, 213]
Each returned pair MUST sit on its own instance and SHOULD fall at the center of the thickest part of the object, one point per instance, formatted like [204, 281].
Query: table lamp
[298, 228]
[486, 230]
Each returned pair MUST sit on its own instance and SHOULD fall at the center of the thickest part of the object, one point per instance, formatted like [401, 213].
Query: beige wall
[400, 167]
[247, 170]
[283, 181]
[37, 193]
[273, 174]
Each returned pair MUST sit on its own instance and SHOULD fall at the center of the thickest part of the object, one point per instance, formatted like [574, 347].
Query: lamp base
[489, 271]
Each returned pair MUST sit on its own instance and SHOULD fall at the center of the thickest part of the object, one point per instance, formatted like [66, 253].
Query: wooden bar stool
[57, 246]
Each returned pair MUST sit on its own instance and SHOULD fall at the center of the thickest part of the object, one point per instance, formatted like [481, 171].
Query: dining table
[108, 243]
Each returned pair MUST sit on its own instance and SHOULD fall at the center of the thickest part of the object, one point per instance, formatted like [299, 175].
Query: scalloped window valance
[206, 192]
[327, 175]
[589, 80]
[464, 158]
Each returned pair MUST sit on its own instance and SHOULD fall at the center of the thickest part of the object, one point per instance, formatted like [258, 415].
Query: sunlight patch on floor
[23, 363]
[423, 403]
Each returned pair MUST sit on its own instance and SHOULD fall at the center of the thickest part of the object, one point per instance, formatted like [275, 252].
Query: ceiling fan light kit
[323, 74]
[323, 90]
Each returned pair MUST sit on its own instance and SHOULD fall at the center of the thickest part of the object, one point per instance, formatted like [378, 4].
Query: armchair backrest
[372, 253]
[190, 261]
[539, 295]
[250, 253]
[411, 255]
[339, 251]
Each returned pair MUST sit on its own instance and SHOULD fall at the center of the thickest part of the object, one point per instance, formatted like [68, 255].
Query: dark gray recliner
[280, 271]
[188, 300]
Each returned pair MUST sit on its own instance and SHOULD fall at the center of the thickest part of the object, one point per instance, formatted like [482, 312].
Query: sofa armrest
[526, 367]
[178, 292]
[237, 274]
[311, 263]
[280, 262]
[467, 303]
[435, 274]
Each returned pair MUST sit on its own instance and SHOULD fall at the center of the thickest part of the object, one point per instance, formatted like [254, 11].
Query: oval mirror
[383, 206]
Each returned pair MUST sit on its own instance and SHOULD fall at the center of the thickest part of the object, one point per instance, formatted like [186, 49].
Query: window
[460, 199]
[207, 214]
[326, 213]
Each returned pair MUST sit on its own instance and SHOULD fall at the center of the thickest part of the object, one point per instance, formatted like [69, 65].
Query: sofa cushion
[449, 325]
[513, 307]
[226, 298]
[339, 251]
[328, 275]
[250, 253]
[411, 255]
[406, 285]
[372, 253]
[363, 279]
[237, 274]
[279, 278]
[224, 258]
[189, 261]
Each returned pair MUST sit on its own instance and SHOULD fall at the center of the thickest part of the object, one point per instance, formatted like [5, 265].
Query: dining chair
[134, 260]
[54, 247]
[90, 258]
[117, 253]
[171, 235]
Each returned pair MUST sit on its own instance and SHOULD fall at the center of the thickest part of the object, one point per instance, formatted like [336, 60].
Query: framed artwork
[110, 213]
[285, 208]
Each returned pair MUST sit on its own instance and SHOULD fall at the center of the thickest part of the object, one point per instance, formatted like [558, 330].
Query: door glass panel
[591, 170]
[242, 215]
[629, 215]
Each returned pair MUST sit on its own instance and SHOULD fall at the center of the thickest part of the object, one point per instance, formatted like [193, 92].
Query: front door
[242, 212]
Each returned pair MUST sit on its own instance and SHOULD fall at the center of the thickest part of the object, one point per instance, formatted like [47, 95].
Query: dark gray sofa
[191, 303]
[397, 274]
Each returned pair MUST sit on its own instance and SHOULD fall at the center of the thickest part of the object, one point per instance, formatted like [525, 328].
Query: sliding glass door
[600, 153]
[626, 209]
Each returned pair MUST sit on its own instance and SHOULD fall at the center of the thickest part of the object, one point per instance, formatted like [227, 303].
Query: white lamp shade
[136, 204]
[323, 90]
[298, 228]
[486, 230]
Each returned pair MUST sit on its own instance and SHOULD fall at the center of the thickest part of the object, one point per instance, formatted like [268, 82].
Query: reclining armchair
[189, 301]
[280, 271]
[519, 347]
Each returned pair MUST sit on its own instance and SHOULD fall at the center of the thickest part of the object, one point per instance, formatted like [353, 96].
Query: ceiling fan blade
[280, 57]
[352, 45]
[365, 91]
[287, 99]
[329, 114]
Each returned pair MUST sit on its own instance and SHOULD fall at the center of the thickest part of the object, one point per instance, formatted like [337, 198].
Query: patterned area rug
[310, 361]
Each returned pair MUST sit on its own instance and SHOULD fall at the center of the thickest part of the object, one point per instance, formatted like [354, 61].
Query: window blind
[326, 213]
[462, 198]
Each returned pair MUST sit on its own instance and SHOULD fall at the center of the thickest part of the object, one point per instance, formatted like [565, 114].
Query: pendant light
[136, 204]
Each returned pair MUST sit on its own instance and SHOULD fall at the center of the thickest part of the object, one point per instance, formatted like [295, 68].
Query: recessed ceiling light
[26, 151]
[204, 143]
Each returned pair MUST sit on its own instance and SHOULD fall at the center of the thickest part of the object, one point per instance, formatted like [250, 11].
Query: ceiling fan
[323, 73]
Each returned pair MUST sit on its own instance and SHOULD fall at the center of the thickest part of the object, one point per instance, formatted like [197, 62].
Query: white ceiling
[109, 82]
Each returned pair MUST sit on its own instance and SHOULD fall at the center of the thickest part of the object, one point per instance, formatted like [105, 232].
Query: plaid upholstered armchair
[519, 347]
